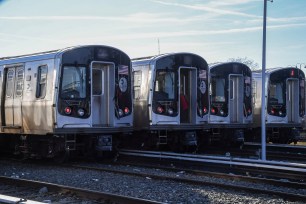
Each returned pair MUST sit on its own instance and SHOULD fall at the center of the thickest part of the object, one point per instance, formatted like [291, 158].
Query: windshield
[164, 85]
[217, 89]
[73, 82]
[276, 93]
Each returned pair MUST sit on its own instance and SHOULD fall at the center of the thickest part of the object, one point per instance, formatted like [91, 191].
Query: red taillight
[249, 111]
[205, 110]
[126, 110]
[272, 111]
[68, 110]
[213, 111]
[160, 109]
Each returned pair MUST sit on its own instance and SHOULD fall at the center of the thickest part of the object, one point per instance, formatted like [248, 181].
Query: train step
[162, 137]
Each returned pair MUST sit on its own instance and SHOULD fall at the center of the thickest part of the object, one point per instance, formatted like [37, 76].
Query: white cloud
[208, 9]
[231, 2]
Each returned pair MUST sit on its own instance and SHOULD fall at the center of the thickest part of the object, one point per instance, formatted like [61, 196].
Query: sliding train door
[236, 98]
[103, 89]
[292, 100]
[187, 93]
[14, 77]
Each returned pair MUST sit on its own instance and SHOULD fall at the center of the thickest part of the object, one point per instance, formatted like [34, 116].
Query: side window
[137, 84]
[19, 82]
[41, 81]
[254, 89]
[10, 83]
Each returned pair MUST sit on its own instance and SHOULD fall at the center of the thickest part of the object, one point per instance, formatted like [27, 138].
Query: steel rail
[85, 193]
[216, 175]
[281, 194]
[276, 165]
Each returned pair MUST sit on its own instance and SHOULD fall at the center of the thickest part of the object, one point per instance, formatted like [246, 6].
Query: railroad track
[290, 171]
[227, 185]
[292, 191]
[293, 153]
[85, 194]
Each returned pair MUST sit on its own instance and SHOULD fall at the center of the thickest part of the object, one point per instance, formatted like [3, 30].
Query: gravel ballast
[142, 187]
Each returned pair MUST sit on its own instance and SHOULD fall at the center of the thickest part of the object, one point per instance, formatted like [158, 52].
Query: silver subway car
[230, 102]
[56, 102]
[170, 99]
[285, 104]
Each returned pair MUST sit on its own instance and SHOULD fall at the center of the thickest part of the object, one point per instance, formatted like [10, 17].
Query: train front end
[175, 106]
[94, 98]
[230, 102]
[285, 104]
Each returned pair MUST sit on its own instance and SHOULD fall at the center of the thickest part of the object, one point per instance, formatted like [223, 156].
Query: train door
[103, 88]
[13, 96]
[187, 93]
[292, 100]
[236, 98]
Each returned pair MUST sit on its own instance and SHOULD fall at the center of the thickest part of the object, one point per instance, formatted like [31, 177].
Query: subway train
[75, 100]
[171, 105]
[231, 112]
[285, 105]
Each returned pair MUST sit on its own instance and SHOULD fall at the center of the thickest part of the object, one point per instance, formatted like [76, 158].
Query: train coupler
[104, 143]
[189, 139]
[238, 136]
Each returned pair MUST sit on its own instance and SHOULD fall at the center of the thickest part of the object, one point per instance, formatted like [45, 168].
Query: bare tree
[249, 62]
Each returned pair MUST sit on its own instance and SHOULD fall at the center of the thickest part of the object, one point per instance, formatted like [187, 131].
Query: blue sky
[215, 29]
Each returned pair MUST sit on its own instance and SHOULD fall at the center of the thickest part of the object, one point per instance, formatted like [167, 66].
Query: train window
[41, 81]
[10, 83]
[73, 83]
[276, 93]
[164, 85]
[97, 78]
[231, 89]
[137, 84]
[19, 82]
[217, 90]
[254, 88]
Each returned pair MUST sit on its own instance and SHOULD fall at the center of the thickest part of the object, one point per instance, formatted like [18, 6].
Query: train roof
[45, 55]
[271, 70]
[216, 64]
[149, 59]
[257, 73]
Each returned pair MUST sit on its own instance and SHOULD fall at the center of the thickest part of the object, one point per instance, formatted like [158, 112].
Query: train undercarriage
[276, 135]
[59, 147]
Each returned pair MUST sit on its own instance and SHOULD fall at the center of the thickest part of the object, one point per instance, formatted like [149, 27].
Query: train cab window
[276, 93]
[164, 85]
[73, 84]
[10, 84]
[137, 84]
[254, 88]
[97, 76]
[41, 81]
[19, 82]
[217, 90]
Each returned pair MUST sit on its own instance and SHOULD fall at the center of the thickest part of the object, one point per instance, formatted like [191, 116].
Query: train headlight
[81, 112]
[170, 111]
[126, 110]
[200, 111]
[160, 109]
[280, 113]
[120, 112]
[68, 110]
[221, 112]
